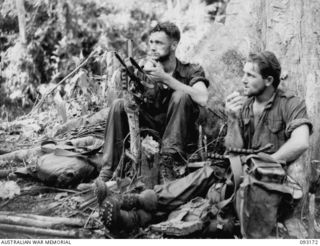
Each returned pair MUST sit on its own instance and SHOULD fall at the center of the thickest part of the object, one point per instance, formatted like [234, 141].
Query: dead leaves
[9, 189]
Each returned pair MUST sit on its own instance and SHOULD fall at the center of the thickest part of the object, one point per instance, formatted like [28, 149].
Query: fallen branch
[38, 105]
[45, 232]
[44, 189]
[32, 220]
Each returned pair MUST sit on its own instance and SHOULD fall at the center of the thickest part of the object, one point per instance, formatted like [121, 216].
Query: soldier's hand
[155, 71]
[149, 64]
[234, 103]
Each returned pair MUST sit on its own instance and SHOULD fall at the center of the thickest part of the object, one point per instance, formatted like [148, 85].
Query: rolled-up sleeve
[296, 115]
[198, 75]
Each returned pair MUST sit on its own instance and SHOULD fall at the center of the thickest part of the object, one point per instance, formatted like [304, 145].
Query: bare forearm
[295, 146]
[198, 95]
[290, 151]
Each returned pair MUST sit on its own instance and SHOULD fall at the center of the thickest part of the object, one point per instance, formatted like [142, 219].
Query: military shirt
[158, 97]
[189, 73]
[283, 113]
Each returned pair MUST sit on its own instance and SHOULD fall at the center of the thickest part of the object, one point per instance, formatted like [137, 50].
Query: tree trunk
[22, 21]
[290, 29]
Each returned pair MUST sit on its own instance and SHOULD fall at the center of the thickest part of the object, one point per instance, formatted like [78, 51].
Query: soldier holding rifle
[171, 109]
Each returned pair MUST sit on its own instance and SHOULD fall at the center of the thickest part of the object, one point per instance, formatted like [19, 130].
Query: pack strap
[236, 172]
[236, 168]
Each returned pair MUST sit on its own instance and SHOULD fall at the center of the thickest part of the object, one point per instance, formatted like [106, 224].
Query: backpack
[65, 168]
[186, 219]
[208, 216]
[263, 188]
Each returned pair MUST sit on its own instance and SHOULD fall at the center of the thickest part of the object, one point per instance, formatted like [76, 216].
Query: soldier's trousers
[174, 122]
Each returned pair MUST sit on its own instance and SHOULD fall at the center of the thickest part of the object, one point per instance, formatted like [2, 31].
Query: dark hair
[168, 28]
[268, 65]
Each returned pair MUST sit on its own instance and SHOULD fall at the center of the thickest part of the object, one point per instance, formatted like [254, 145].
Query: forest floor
[36, 198]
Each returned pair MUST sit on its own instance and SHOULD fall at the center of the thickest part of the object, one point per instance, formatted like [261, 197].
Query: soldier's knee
[181, 97]
[117, 106]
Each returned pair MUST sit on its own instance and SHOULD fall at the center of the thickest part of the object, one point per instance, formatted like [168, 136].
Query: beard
[163, 58]
[256, 93]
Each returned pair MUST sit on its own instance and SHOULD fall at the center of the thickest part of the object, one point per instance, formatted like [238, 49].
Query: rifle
[133, 94]
[212, 157]
[136, 86]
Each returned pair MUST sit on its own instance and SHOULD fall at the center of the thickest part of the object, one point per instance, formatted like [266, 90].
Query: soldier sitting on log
[171, 110]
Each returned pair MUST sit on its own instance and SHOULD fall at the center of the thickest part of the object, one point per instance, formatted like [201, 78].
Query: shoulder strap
[236, 169]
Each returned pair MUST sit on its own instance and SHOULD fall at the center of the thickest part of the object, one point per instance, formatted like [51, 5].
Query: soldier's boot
[117, 220]
[101, 190]
[117, 212]
[146, 200]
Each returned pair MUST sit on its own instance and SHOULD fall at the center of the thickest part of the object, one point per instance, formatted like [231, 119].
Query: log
[39, 220]
[40, 231]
